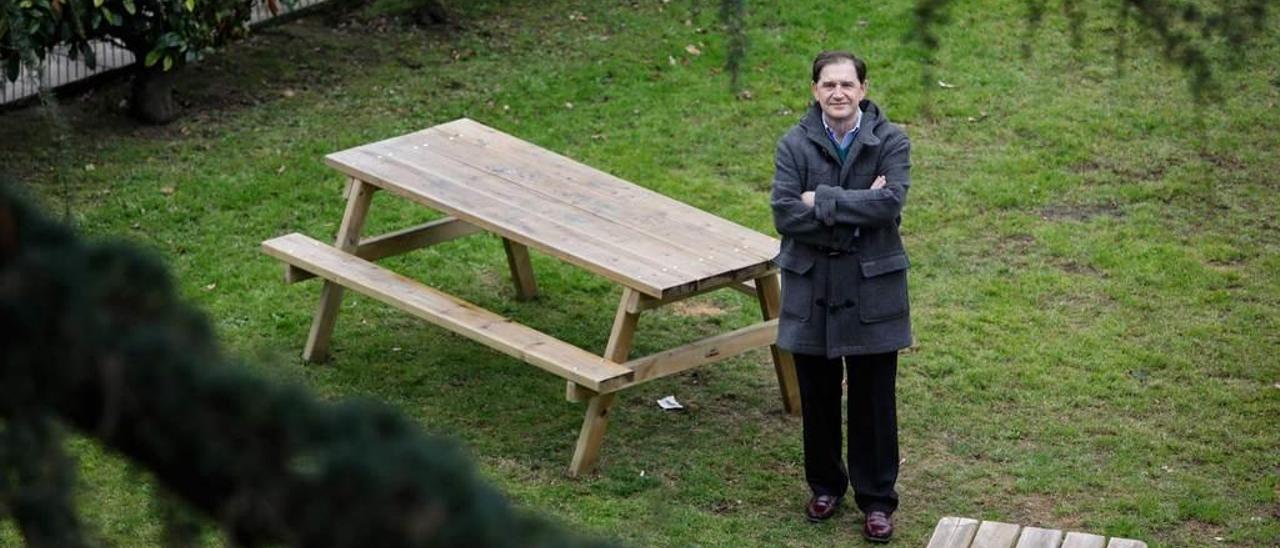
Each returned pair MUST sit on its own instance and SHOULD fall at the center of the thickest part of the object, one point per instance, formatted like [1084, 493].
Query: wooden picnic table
[658, 249]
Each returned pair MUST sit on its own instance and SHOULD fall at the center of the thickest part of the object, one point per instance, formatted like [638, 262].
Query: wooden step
[954, 532]
[452, 313]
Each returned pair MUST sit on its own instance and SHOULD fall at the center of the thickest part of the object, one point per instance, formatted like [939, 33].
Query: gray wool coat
[844, 268]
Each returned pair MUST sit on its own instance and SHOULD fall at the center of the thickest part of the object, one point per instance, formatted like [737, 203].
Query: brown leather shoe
[821, 507]
[878, 527]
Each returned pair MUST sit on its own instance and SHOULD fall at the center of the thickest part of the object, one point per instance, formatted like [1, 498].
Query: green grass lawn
[1095, 279]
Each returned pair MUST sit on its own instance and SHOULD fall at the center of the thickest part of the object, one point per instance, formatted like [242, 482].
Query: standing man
[840, 183]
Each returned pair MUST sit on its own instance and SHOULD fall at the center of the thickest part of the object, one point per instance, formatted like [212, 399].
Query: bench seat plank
[953, 532]
[1076, 539]
[995, 534]
[1126, 543]
[466, 319]
[1036, 537]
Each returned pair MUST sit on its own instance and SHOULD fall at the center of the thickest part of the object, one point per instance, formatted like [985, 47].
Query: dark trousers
[873, 427]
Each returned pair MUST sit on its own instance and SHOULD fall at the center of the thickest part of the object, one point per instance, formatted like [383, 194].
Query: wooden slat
[1126, 543]
[1077, 539]
[994, 534]
[540, 224]
[953, 532]
[553, 212]
[629, 204]
[702, 352]
[1035, 537]
[456, 199]
[594, 216]
[769, 295]
[596, 419]
[416, 237]
[732, 276]
[746, 288]
[705, 264]
[521, 270]
[631, 235]
[359, 196]
[649, 303]
[622, 335]
[459, 316]
[400, 241]
[591, 435]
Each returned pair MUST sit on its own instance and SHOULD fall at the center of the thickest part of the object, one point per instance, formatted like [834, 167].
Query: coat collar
[871, 118]
[817, 132]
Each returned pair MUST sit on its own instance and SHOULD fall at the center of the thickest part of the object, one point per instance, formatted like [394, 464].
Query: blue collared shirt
[844, 141]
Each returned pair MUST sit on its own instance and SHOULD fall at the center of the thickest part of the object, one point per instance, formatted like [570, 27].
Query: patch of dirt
[1098, 169]
[1078, 309]
[1222, 161]
[1017, 243]
[725, 506]
[272, 64]
[1079, 212]
[1072, 267]
[1203, 533]
[1037, 509]
[696, 308]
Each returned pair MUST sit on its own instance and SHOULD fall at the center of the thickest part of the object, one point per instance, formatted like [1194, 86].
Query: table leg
[783, 362]
[359, 196]
[617, 350]
[521, 269]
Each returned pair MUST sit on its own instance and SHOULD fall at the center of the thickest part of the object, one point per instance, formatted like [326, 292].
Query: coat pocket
[883, 288]
[797, 286]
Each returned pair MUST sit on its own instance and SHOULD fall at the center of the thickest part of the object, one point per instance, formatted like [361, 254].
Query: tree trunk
[152, 95]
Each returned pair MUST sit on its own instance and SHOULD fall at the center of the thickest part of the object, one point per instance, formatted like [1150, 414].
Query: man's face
[838, 91]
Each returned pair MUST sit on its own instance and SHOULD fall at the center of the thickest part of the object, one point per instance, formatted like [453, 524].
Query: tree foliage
[161, 34]
[95, 339]
[1183, 31]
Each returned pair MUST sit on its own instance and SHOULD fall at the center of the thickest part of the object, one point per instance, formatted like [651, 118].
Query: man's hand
[807, 197]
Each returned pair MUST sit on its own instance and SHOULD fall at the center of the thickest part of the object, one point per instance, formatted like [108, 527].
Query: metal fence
[59, 69]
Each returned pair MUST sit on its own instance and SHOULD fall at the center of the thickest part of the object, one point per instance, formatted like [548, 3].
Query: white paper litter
[669, 403]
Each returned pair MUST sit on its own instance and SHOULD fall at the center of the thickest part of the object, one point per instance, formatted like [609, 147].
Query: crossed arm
[829, 215]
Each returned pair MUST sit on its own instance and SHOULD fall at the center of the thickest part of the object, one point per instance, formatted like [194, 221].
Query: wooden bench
[450, 312]
[659, 250]
[953, 532]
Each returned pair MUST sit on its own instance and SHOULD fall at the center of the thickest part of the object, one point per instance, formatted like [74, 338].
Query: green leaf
[191, 5]
[129, 7]
[168, 63]
[152, 57]
[98, 3]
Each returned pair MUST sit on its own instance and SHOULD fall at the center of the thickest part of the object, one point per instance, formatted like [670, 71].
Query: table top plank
[642, 225]
[552, 211]
[617, 199]
[457, 200]
[637, 237]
